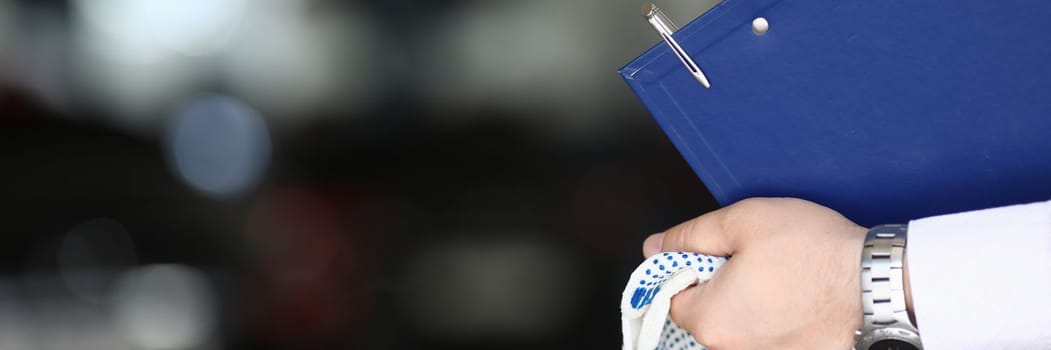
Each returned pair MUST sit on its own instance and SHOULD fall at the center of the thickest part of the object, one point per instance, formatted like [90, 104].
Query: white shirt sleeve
[982, 279]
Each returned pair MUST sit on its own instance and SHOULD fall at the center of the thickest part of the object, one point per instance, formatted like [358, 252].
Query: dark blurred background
[297, 174]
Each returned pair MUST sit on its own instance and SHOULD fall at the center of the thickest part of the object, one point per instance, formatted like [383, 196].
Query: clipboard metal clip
[666, 28]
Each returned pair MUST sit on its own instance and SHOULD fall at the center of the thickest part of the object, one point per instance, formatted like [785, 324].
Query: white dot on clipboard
[760, 25]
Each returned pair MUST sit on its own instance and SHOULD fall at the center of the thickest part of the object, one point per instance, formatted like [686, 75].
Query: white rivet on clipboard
[666, 28]
[760, 25]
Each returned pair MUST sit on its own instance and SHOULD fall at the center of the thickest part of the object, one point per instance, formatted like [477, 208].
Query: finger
[704, 234]
[686, 307]
[652, 245]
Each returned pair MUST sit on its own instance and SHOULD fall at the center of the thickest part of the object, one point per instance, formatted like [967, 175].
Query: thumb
[704, 234]
[686, 308]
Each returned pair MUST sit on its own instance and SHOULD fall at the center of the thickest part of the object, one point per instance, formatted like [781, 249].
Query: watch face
[892, 344]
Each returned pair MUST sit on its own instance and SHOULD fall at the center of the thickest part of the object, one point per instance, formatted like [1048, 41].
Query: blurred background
[298, 174]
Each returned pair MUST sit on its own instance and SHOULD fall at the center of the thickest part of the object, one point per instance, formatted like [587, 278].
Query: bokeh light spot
[92, 255]
[165, 307]
[219, 146]
[148, 29]
[474, 289]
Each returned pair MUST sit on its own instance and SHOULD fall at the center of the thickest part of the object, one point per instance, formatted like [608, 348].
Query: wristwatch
[886, 324]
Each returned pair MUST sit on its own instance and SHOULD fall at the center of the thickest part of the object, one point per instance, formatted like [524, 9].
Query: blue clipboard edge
[656, 68]
[697, 35]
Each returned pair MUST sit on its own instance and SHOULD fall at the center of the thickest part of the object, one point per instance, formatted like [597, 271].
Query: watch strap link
[882, 281]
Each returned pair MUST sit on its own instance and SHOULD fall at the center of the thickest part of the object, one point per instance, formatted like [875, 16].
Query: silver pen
[666, 28]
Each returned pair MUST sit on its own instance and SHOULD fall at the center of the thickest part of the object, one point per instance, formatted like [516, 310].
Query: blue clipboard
[883, 110]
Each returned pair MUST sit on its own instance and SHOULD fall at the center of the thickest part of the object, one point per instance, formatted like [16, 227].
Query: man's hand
[793, 281]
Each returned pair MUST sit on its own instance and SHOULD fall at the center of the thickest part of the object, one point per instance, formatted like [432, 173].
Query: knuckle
[761, 205]
[684, 238]
[754, 214]
[745, 214]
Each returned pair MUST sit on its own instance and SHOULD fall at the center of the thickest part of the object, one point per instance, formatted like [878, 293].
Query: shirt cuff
[982, 279]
